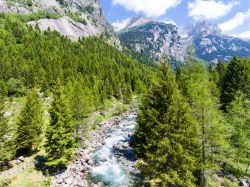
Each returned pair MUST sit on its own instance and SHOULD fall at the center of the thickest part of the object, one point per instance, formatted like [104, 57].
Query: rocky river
[107, 158]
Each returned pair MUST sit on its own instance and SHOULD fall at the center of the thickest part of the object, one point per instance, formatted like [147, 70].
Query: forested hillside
[79, 76]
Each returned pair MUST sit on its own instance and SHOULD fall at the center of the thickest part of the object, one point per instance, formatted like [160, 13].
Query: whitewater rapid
[108, 168]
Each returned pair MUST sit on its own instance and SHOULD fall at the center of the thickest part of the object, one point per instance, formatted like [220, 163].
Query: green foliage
[236, 79]
[239, 119]
[79, 104]
[30, 3]
[14, 17]
[34, 58]
[60, 132]
[119, 110]
[15, 87]
[77, 17]
[217, 74]
[127, 95]
[3, 89]
[30, 124]
[166, 136]
[90, 9]
[3, 133]
[194, 82]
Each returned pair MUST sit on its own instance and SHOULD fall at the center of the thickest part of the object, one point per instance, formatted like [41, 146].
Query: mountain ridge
[210, 44]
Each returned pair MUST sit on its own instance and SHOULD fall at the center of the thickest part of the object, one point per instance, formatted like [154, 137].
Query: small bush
[119, 110]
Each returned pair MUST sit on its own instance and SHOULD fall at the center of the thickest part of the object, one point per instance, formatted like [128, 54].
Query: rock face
[155, 40]
[211, 45]
[66, 27]
[77, 18]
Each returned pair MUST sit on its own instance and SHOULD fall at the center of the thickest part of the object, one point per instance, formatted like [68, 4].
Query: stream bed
[114, 160]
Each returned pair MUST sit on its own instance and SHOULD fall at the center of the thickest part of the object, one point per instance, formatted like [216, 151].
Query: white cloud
[119, 25]
[150, 8]
[235, 22]
[244, 35]
[169, 21]
[209, 9]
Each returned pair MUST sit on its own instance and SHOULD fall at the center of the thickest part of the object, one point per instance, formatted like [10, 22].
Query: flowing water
[108, 167]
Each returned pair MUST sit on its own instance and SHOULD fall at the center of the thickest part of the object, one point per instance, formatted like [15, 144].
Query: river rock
[135, 172]
[125, 145]
[86, 158]
[21, 158]
[59, 180]
[90, 162]
[232, 178]
[69, 180]
[87, 168]
[97, 185]
[243, 183]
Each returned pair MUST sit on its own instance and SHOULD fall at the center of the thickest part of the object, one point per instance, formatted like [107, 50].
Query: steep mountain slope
[154, 40]
[76, 18]
[211, 45]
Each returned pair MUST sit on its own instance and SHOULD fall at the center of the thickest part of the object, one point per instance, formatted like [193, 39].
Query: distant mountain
[74, 18]
[211, 45]
[156, 39]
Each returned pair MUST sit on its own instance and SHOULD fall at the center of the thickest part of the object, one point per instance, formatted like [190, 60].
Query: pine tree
[60, 132]
[166, 137]
[30, 124]
[196, 87]
[239, 119]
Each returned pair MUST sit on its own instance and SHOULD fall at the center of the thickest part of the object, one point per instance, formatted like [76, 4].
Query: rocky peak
[202, 28]
[155, 40]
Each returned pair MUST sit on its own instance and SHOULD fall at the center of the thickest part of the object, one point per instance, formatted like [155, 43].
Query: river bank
[106, 158]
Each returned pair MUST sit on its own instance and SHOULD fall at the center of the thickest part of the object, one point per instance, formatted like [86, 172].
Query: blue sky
[232, 16]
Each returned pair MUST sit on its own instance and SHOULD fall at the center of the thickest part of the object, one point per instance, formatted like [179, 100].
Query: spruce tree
[30, 124]
[166, 135]
[60, 132]
[236, 79]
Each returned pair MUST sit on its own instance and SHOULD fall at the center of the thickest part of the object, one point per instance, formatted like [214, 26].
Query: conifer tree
[79, 107]
[60, 132]
[3, 130]
[166, 135]
[127, 95]
[239, 119]
[196, 87]
[236, 79]
[30, 124]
